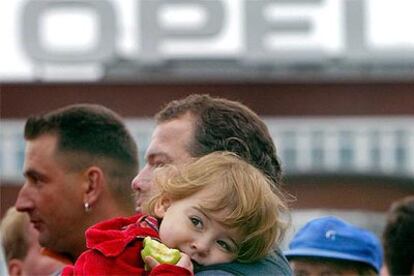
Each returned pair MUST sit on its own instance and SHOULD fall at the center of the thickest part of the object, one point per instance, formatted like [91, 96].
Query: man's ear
[94, 181]
[162, 205]
[15, 267]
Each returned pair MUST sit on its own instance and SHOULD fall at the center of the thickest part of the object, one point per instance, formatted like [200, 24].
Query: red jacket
[114, 248]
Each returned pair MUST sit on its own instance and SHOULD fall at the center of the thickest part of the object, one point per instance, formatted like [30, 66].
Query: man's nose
[142, 181]
[134, 183]
[23, 201]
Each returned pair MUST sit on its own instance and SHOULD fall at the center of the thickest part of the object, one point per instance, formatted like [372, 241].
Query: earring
[87, 207]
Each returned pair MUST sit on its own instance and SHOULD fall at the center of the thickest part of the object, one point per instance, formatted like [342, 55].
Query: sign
[328, 35]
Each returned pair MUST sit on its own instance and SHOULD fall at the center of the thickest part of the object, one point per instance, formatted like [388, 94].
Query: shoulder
[117, 223]
[273, 264]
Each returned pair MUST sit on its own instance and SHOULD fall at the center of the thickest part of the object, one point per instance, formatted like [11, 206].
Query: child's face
[186, 227]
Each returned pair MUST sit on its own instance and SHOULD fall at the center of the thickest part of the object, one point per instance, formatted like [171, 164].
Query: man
[198, 125]
[78, 161]
[331, 246]
[398, 237]
[22, 250]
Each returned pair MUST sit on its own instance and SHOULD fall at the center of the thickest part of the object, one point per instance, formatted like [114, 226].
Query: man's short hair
[224, 125]
[398, 237]
[14, 234]
[239, 189]
[90, 134]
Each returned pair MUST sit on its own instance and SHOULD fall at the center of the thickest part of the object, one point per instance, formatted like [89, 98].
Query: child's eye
[224, 246]
[197, 222]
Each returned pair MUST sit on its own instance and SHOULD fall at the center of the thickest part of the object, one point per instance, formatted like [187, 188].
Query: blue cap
[330, 237]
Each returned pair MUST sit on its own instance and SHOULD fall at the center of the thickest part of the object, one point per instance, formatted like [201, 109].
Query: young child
[215, 210]
[22, 250]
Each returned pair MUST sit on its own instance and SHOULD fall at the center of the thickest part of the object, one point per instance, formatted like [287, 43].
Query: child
[21, 247]
[215, 210]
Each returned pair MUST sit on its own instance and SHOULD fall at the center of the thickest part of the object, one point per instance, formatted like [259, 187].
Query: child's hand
[185, 262]
[155, 253]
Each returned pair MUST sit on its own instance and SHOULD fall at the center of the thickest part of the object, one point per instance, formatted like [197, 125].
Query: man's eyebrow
[152, 155]
[29, 172]
[33, 174]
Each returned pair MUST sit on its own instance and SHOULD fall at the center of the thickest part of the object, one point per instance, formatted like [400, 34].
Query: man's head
[22, 250]
[200, 124]
[217, 208]
[331, 244]
[76, 158]
[398, 237]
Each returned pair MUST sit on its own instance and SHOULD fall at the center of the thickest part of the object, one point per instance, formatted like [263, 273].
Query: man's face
[315, 268]
[169, 144]
[51, 195]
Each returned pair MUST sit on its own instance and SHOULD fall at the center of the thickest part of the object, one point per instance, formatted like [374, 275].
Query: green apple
[160, 252]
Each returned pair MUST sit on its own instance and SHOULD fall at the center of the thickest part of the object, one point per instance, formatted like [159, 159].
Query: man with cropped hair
[78, 162]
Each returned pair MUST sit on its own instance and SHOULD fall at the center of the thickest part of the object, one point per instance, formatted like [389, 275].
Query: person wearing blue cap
[332, 246]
